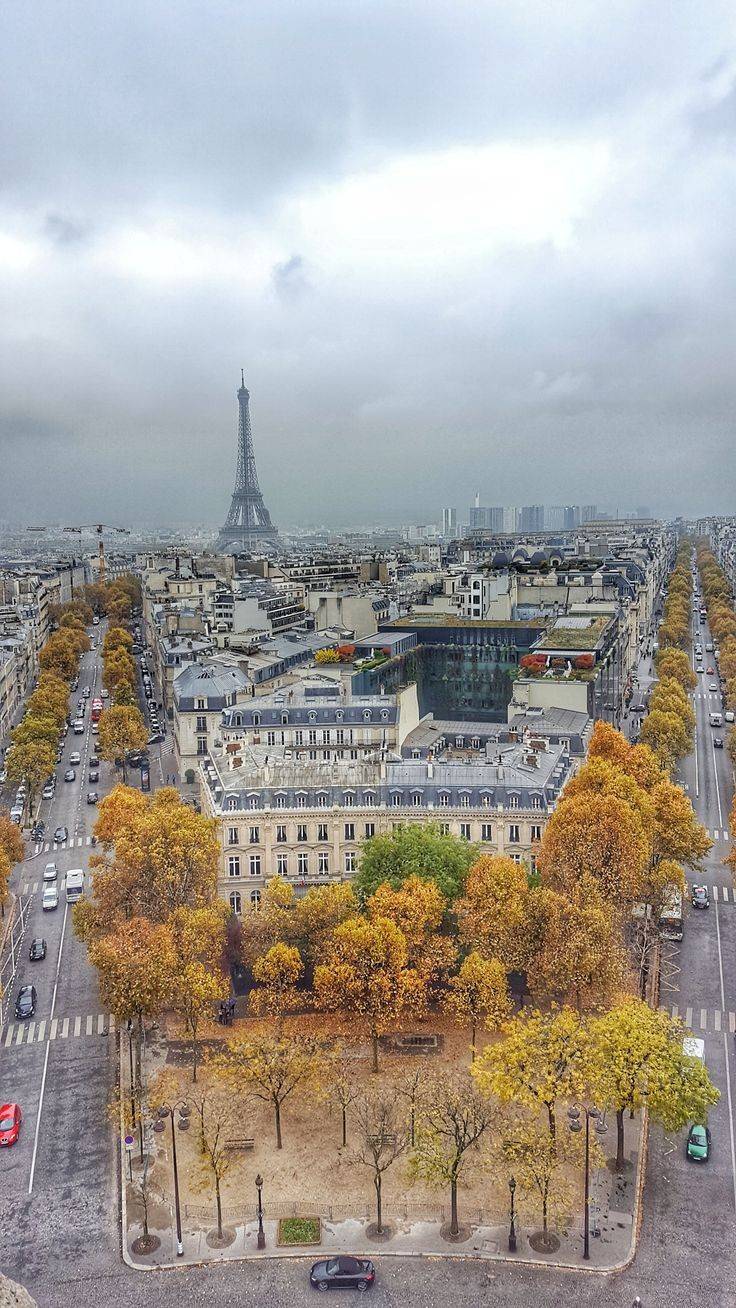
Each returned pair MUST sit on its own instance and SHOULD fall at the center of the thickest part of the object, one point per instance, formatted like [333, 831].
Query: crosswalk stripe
[111, 1024]
[89, 1024]
[77, 1025]
[688, 1017]
[65, 1028]
[675, 1011]
[9, 1036]
[31, 1029]
[53, 1028]
[41, 1030]
[732, 1022]
[717, 1018]
[19, 1037]
[100, 1023]
[89, 840]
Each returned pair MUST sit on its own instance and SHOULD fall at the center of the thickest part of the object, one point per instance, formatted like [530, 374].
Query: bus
[74, 884]
[670, 917]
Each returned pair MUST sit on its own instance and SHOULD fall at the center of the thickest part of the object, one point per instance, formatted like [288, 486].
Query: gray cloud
[282, 187]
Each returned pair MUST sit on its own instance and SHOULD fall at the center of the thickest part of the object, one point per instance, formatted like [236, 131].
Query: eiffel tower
[248, 526]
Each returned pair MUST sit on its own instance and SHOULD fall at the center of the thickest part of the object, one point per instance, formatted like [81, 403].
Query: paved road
[60, 1236]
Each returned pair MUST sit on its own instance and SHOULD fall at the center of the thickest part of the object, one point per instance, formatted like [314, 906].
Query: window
[350, 831]
[486, 800]
[323, 861]
[464, 799]
[236, 905]
[322, 831]
[369, 799]
[370, 830]
[459, 741]
[301, 799]
[311, 737]
[367, 715]
[200, 704]
[397, 799]
[302, 863]
[298, 737]
[443, 799]
[339, 715]
[325, 737]
[233, 865]
[486, 832]
[254, 836]
[348, 799]
[281, 834]
[513, 801]
[254, 861]
[282, 865]
[256, 719]
[416, 799]
[254, 801]
[255, 898]
[270, 737]
[515, 858]
[233, 836]
[351, 860]
[514, 833]
[201, 724]
[465, 831]
[444, 828]
[280, 801]
[284, 719]
[536, 831]
[536, 801]
[353, 753]
[384, 715]
[475, 742]
[340, 736]
[202, 747]
[322, 798]
[312, 715]
[416, 753]
[301, 832]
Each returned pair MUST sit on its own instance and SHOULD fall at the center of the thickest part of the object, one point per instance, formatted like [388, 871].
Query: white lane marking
[41, 1030]
[728, 1070]
[717, 1019]
[688, 1017]
[31, 1029]
[52, 1028]
[88, 1026]
[46, 1056]
[77, 1025]
[19, 1037]
[100, 1023]
[64, 1028]
[9, 1036]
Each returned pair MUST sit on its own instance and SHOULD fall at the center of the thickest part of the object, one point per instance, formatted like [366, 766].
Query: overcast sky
[456, 246]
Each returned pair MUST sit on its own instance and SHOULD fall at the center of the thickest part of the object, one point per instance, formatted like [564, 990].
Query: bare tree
[454, 1118]
[411, 1088]
[343, 1090]
[382, 1139]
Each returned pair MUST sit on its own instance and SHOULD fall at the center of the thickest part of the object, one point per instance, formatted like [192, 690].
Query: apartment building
[307, 820]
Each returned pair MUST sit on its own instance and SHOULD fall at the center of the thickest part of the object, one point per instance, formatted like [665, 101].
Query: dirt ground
[312, 1173]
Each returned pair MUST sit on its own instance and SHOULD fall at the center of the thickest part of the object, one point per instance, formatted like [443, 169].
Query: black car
[61, 834]
[718, 742]
[92, 797]
[38, 832]
[94, 774]
[25, 1004]
[37, 950]
[94, 762]
[343, 1273]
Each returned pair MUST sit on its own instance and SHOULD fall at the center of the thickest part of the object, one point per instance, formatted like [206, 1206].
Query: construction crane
[98, 528]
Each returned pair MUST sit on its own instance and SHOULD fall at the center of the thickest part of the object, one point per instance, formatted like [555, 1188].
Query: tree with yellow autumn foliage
[478, 996]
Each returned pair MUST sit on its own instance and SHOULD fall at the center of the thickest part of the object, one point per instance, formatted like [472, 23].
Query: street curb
[9, 916]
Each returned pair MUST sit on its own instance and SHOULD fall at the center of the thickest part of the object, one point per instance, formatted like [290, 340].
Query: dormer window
[384, 715]
[301, 799]
[443, 799]
[231, 803]
[367, 715]
[312, 715]
[284, 719]
[256, 719]
[339, 715]
[322, 799]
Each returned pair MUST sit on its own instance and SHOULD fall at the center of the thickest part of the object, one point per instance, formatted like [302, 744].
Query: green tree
[413, 850]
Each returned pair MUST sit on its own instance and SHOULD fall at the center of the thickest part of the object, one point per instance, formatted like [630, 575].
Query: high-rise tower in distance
[248, 525]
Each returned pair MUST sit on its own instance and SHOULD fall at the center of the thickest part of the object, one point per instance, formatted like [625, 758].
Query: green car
[698, 1143]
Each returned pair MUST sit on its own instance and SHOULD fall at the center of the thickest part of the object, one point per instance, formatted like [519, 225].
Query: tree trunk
[277, 1107]
[454, 1224]
[619, 1139]
[344, 1126]
[374, 1042]
[551, 1120]
[545, 1234]
[219, 1207]
[139, 1054]
[195, 1049]
[472, 1043]
[379, 1208]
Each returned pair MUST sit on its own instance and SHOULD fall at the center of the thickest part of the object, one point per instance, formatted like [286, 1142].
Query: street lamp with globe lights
[164, 1111]
[575, 1125]
[261, 1232]
[512, 1228]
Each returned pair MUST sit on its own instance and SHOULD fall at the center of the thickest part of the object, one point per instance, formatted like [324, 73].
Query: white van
[730, 715]
[79, 726]
[716, 719]
[694, 1048]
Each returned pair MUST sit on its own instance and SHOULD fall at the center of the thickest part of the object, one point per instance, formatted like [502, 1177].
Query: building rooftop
[575, 633]
[210, 680]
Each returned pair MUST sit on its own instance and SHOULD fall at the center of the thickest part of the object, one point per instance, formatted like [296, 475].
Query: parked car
[50, 898]
[94, 774]
[697, 1148]
[10, 1120]
[104, 694]
[92, 797]
[343, 1273]
[37, 951]
[156, 738]
[718, 742]
[94, 762]
[50, 871]
[75, 756]
[70, 775]
[86, 692]
[700, 897]
[61, 834]
[38, 831]
[25, 1004]
[48, 790]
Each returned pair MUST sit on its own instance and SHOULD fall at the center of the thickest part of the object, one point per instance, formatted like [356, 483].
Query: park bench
[242, 1142]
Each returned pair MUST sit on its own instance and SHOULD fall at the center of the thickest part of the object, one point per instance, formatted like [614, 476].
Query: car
[10, 1120]
[710, 671]
[48, 791]
[95, 622]
[38, 831]
[343, 1273]
[94, 774]
[92, 797]
[25, 1004]
[712, 686]
[49, 899]
[61, 834]
[86, 692]
[37, 951]
[156, 738]
[104, 694]
[700, 668]
[78, 727]
[94, 762]
[697, 1148]
[95, 729]
[699, 897]
[50, 872]
[718, 742]
[70, 775]
[75, 757]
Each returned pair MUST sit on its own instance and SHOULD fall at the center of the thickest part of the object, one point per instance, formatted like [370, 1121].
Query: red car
[710, 671]
[10, 1120]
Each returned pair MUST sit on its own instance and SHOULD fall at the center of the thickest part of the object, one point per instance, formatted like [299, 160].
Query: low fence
[348, 1209]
